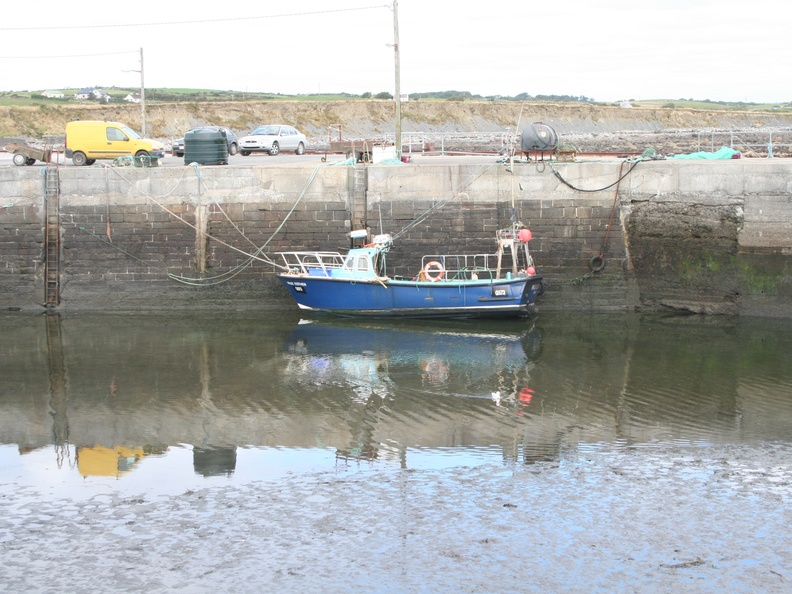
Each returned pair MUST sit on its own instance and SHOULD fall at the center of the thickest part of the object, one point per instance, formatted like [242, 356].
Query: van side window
[115, 134]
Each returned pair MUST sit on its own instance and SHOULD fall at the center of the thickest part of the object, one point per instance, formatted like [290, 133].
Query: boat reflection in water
[446, 373]
[448, 360]
[163, 401]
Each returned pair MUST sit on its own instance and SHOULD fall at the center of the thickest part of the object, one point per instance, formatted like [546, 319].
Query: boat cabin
[367, 263]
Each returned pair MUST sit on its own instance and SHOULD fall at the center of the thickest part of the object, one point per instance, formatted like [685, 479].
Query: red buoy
[524, 235]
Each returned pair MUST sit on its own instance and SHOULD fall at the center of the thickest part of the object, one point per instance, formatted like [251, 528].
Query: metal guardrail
[736, 140]
[769, 143]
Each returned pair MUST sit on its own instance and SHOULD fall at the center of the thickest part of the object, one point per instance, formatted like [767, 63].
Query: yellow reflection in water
[102, 461]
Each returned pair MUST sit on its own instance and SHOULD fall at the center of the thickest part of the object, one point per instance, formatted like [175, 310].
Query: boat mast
[397, 68]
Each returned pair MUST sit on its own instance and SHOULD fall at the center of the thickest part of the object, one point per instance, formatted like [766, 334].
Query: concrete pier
[693, 236]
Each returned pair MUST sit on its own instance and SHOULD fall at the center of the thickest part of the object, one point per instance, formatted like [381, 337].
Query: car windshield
[130, 132]
[267, 130]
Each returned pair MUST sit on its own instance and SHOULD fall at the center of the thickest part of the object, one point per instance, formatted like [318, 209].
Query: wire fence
[765, 143]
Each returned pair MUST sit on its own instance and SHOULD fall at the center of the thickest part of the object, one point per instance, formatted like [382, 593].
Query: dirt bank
[589, 127]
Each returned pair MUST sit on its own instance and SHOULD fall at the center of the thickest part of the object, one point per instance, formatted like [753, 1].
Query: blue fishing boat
[446, 286]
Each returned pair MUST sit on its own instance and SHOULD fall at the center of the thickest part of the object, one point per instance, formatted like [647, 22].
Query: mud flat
[652, 519]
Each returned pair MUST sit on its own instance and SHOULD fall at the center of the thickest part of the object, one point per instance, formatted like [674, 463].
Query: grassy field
[168, 95]
[711, 105]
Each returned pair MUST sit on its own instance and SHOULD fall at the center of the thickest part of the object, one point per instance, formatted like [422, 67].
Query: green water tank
[205, 146]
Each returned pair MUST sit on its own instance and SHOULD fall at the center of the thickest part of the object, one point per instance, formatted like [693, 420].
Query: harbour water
[155, 407]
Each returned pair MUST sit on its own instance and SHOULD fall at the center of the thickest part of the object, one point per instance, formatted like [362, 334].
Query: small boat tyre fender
[434, 271]
[597, 263]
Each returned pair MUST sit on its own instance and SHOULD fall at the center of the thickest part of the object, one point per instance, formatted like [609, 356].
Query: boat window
[357, 263]
[363, 264]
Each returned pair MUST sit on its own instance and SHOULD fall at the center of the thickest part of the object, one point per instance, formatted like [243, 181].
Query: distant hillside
[574, 122]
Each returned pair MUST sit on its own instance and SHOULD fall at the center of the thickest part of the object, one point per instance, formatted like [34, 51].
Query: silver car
[272, 139]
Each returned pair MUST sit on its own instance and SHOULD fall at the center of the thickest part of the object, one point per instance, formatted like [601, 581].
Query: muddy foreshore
[692, 518]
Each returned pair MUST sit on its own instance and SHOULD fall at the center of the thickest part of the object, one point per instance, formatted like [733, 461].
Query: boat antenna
[511, 166]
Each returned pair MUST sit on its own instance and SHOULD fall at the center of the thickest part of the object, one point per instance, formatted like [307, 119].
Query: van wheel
[79, 159]
[141, 154]
[90, 161]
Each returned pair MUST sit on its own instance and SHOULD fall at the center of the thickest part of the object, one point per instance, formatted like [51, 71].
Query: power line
[66, 56]
[168, 23]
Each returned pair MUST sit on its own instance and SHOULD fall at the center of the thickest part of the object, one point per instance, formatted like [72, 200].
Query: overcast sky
[606, 50]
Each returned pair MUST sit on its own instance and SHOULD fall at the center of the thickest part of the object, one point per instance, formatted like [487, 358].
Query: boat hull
[511, 297]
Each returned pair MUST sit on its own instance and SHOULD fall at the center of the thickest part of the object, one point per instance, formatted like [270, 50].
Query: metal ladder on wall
[52, 237]
[359, 205]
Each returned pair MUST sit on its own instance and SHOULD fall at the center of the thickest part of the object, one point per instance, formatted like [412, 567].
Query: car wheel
[79, 159]
[178, 154]
[232, 150]
[244, 153]
[300, 149]
[274, 149]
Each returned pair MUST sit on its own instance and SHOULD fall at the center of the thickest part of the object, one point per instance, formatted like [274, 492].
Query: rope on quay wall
[608, 187]
[110, 243]
[251, 257]
[423, 216]
[597, 263]
[220, 278]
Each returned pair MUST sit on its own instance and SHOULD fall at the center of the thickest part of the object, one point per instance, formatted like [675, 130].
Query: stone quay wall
[687, 236]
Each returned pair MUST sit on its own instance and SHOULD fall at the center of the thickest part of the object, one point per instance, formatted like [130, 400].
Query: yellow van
[87, 141]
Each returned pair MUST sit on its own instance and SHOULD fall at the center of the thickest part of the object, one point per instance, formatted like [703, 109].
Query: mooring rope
[251, 257]
[427, 213]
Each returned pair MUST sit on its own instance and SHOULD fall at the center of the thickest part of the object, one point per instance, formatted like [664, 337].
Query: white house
[101, 95]
[53, 94]
[92, 93]
[133, 98]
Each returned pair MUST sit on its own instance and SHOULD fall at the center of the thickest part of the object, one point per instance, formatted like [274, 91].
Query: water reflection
[374, 359]
[109, 394]
[405, 384]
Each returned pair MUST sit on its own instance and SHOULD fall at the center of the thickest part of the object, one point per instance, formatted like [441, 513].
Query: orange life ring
[434, 267]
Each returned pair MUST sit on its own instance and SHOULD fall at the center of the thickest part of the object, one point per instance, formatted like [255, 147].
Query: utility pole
[398, 76]
[142, 96]
[142, 99]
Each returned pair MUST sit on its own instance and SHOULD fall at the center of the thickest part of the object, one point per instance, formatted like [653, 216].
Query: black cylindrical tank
[205, 146]
[538, 137]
